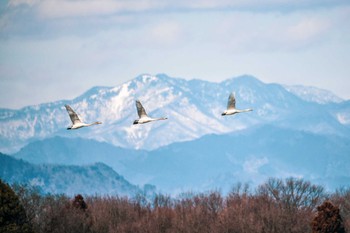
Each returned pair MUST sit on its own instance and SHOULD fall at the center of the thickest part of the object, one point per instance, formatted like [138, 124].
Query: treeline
[290, 205]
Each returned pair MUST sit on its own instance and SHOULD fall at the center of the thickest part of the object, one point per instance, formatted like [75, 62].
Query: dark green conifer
[13, 217]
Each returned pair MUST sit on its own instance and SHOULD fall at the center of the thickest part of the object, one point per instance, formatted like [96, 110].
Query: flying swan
[143, 117]
[231, 107]
[76, 122]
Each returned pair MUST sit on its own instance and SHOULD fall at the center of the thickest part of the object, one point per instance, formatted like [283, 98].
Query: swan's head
[69, 128]
[136, 122]
[223, 114]
[98, 122]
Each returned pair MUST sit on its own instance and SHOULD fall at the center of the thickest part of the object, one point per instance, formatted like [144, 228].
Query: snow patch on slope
[313, 94]
[193, 109]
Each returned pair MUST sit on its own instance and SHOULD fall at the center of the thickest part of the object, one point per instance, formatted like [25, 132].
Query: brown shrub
[328, 219]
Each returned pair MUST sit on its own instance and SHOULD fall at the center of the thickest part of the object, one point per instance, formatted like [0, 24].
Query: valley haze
[293, 131]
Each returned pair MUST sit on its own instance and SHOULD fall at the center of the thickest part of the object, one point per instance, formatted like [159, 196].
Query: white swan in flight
[76, 122]
[231, 107]
[143, 117]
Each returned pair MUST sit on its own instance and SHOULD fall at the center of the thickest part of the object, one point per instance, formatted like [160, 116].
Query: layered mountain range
[193, 107]
[212, 162]
[293, 131]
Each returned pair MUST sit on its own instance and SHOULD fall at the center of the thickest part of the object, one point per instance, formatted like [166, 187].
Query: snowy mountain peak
[193, 107]
[146, 78]
[149, 79]
[247, 80]
[313, 94]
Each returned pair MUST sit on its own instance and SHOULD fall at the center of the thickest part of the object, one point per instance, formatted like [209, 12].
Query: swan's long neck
[94, 123]
[158, 119]
[245, 110]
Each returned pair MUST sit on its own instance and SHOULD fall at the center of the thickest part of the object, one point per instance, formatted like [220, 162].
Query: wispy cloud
[83, 8]
[79, 43]
[16, 3]
[64, 8]
[252, 165]
[260, 32]
[308, 30]
[40, 16]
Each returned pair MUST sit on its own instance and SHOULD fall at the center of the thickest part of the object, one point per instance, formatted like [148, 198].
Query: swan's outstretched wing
[140, 110]
[73, 116]
[231, 103]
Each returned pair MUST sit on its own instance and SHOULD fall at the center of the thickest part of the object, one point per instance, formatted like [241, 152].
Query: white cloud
[308, 29]
[252, 165]
[66, 8]
[15, 3]
[84, 43]
[249, 32]
[84, 8]
[166, 33]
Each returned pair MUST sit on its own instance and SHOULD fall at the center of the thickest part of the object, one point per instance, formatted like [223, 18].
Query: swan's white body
[143, 117]
[231, 107]
[76, 122]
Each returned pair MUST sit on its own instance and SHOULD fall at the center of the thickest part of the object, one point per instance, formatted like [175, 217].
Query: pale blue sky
[57, 49]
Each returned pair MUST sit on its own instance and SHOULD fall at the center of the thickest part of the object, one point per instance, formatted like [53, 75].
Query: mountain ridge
[313, 94]
[218, 161]
[193, 107]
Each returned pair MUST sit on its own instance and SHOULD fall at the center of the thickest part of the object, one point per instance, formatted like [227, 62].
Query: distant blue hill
[213, 161]
[219, 161]
[77, 151]
[92, 179]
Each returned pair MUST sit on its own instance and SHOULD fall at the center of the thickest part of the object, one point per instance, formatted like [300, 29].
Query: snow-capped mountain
[193, 107]
[314, 94]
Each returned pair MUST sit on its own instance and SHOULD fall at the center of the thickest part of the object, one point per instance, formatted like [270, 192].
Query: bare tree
[295, 200]
[293, 193]
[276, 206]
[341, 198]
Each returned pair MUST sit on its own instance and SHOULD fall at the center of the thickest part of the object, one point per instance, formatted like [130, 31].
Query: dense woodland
[290, 205]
